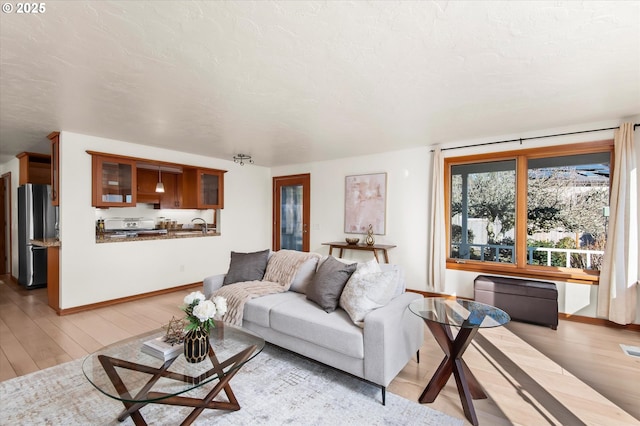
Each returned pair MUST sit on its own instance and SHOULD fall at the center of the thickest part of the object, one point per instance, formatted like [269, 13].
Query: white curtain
[619, 277]
[437, 256]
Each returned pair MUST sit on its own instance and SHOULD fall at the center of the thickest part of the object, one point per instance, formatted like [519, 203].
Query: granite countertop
[171, 235]
[47, 242]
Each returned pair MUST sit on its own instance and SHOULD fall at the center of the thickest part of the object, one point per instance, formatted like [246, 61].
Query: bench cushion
[524, 287]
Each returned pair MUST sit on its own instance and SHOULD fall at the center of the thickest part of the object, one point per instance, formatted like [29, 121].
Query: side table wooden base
[468, 386]
[146, 396]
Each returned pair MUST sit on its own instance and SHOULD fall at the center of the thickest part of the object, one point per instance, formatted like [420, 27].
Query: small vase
[196, 345]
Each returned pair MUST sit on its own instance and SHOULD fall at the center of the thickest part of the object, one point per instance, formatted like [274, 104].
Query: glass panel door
[291, 212]
[291, 217]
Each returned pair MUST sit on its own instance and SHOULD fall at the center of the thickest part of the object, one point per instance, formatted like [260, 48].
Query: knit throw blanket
[281, 270]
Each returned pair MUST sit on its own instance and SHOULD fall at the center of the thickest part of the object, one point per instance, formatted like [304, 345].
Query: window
[483, 211]
[538, 212]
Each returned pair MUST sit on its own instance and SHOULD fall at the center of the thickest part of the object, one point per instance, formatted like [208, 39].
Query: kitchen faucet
[204, 229]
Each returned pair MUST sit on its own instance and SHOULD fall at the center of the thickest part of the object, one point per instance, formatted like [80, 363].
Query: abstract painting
[365, 203]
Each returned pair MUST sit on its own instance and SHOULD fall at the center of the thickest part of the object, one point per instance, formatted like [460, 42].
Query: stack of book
[160, 349]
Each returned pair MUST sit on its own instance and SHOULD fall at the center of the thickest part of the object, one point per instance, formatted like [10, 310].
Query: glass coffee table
[123, 372]
[440, 314]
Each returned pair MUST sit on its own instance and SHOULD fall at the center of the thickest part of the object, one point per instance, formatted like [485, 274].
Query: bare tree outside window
[483, 211]
[567, 201]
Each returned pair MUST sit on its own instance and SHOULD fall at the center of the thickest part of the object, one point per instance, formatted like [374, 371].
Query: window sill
[577, 276]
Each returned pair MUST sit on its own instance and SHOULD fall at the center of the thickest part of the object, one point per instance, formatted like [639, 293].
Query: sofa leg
[384, 395]
[418, 356]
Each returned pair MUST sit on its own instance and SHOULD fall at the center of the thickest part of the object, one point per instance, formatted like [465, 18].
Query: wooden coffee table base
[147, 396]
[468, 386]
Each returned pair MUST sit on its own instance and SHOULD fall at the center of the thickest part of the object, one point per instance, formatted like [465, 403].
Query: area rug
[276, 388]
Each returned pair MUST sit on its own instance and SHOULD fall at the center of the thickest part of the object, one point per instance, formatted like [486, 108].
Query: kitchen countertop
[47, 242]
[171, 235]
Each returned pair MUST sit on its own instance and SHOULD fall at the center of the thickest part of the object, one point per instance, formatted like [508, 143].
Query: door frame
[278, 183]
[5, 224]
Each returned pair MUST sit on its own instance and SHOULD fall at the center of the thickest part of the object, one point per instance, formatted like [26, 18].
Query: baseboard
[569, 317]
[112, 302]
[598, 321]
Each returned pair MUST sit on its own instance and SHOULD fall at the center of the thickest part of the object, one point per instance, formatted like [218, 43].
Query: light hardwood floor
[532, 374]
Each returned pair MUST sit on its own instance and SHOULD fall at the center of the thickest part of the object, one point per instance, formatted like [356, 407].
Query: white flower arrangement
[201, 312]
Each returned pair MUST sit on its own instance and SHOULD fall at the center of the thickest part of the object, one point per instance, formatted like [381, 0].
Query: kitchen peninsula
[112, 237]
[53, 270]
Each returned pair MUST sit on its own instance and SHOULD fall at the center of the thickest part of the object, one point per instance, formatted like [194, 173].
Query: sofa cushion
[304, 276]
[367, 292]
[257, 310]
[246, 266]
[327, 284]
[301, 318]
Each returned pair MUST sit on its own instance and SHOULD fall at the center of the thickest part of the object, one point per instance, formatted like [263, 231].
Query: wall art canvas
[365, 203]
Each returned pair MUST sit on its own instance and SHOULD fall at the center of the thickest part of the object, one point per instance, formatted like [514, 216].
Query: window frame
[521, 268]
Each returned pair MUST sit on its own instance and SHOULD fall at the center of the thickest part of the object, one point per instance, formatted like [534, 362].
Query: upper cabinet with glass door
[203, 188]
[114, 181]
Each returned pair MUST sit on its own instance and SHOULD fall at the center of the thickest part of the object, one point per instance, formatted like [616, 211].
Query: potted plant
[201, 315]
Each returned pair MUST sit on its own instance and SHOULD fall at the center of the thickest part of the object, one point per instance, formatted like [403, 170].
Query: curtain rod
[534, 137]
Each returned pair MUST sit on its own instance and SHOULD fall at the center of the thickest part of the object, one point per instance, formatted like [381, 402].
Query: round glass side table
[440, 314]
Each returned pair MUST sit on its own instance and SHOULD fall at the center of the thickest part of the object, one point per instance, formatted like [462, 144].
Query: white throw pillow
[369, 267]
[364, 293]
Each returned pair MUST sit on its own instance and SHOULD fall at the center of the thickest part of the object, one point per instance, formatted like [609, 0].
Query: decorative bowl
[352, 241]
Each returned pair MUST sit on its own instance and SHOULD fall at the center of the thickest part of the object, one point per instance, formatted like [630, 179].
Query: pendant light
[159, 185]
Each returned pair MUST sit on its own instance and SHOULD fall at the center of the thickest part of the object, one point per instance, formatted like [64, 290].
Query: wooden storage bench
[524, 300]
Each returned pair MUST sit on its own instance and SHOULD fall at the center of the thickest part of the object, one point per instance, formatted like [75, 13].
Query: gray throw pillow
[246, 267]
[329, 281]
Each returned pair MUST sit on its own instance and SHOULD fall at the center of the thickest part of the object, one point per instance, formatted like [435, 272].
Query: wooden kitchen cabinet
[123, 181]
[34, 168]
[146, 189]
[55, 168]
[114, 181]
[53, 277]
[146, 186]
[202, 188]
[172, 197]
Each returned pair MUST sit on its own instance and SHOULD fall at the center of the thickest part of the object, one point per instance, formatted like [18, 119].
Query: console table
[364, 247]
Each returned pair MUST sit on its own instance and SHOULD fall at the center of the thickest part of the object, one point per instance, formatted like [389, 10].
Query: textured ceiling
[298, 81]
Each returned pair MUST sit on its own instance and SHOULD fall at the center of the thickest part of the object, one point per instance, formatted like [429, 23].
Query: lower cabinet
[53, 277]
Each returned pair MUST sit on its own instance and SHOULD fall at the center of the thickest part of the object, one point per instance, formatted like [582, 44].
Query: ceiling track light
[242, 158]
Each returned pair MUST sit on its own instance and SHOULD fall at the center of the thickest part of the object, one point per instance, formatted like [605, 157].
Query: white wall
[406, 213]
[93, 272]
[138, 267]
[408, 192]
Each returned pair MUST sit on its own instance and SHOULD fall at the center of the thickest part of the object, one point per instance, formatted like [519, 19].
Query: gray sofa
[376, 352]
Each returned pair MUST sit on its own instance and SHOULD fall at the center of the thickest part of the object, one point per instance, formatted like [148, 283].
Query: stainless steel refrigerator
[36, 220]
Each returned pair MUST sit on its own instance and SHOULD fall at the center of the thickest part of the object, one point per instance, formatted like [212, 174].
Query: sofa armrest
[392, 336]
[212, 284]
